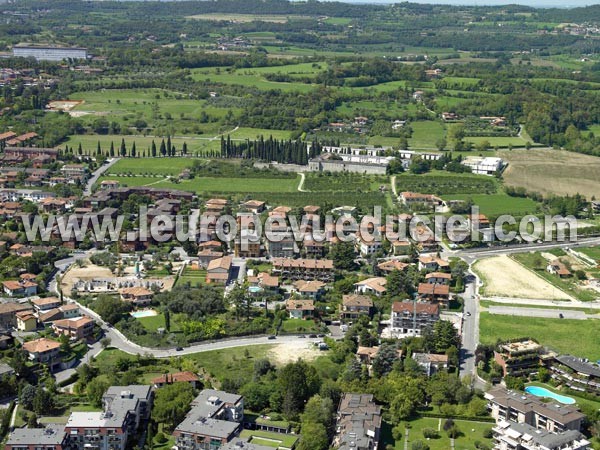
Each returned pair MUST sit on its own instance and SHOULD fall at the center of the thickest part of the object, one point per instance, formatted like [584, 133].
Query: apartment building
[52, 437]
[521, 436]
[304, 269]
[518, 358]
[520, 407]
[411, 318]
[358, 423]
[214, 420]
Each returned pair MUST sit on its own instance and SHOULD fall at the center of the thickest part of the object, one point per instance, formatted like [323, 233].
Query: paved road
[97, 174]
[537, 302]
[470, 329]
[538, 312]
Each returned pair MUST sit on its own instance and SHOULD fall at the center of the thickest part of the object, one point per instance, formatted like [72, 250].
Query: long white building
[49, 52]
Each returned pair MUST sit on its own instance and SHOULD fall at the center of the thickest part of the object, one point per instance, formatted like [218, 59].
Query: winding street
[97, 174]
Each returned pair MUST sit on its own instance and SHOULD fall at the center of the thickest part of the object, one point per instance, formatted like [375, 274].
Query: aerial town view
[299, 225]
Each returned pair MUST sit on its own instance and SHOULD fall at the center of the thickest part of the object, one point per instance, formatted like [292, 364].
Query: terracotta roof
[357, 300]
[45, 301]
[434, 289]
[220, 263]
[312, 209]
[303, 263]
[50, 315]
[136, 291]
[41, 345]
[367, 351]
[376, 283]
[309, 286]
[422, 308]
[443, 275]
[426, 259]
[76, 323]
[389, 266]
[299, 305]
[25, 315]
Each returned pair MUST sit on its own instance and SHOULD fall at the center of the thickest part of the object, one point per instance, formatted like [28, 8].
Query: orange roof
[309, 286]
[434, 289]
[41, 345]
[220, 263]
[357, 300]
[422, 308]
[79, 322]
[389, 266]
[376, 283]
[136, 291]
[443, 275]
[45, 301]
[303, 263]
[299, 305]
[12, 285]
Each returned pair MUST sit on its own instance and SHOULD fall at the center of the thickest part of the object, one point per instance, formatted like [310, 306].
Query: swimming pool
[543, 392]
[144, 313]
[255, 289]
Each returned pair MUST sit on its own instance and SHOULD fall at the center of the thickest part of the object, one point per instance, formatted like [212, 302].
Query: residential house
[432, 262]
[518, 358]
[218, 270]
[313, 249]
[373, 286]
[522, 436]
[50, 437]
[431, 292]
[45, 304]
[8, 314]
[70, 310]
[264, 282]
[556, 267]
[521, 407]
[304, 269]
[75, 328]
[139, 296]
[300, 309]
[19, 288]
[366, 355]
[358, 423]
[354, 305]
[179, 377]
[26, 321]
[430, 362]
[254, 206]
[310, 289]
[414, 198]
[438, 278]
[411, 318]
[215, 419]
[74, 171]
[400, 248]
[391, 265]
[207, 255]
[45, 351]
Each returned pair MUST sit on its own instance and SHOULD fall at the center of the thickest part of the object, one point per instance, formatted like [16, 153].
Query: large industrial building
[49, 52]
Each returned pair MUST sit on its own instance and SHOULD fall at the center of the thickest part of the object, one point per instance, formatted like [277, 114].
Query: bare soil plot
[290, 352]
[552, 172]
[504, 277]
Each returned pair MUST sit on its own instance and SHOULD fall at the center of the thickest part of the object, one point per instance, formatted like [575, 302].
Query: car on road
[561, 316]
[178, 349]
[468, 314]
[312, 335]
[302, 336]
[321, 335]
[272, 337]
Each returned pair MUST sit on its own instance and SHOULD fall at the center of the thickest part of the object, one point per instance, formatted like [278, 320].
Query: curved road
[97, 174]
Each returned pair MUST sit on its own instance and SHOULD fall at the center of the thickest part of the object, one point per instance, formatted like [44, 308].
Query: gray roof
[53, 434]
[6, 369]
[239, 444]
[110, 419]
[210, 401]
[547, 439]
[197, 424]
[140, 391]
[579, 365]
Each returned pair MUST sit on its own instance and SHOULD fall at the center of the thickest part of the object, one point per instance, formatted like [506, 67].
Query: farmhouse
[137, 295]
[413, 198]
[45, 351]
[179, 377]
[19, 288]
[556, 267]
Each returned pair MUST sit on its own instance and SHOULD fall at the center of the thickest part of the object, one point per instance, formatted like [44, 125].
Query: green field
[195, 278]
[158, 166]
[592, 252]
[470, 432]
[497, 204]
[500, 142]
[153, 323]
[426, 134]
[208, 184]
[275, 440]
[558, 334]
[299, 326]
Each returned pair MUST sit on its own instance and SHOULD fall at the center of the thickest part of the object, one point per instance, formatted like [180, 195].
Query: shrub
[430, 433]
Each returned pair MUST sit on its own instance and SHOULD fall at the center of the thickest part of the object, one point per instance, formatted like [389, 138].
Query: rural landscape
[299, 225]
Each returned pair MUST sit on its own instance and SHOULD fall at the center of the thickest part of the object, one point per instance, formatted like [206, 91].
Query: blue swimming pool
[543, 392]
[144, 313]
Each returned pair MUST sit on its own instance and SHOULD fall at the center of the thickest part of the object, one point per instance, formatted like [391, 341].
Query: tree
[95, 389]
[318, 410]
[123, 150]
[133, 150]
[444, 336]
[314, 437]
[43, 401]
[171, 404]
[163, 148]
[153, 151]
[167, 316]
[184, 149]
[32, 421]
[112, 149]
[111, 309]
[257, 394]
[27, 395]
[105, 342]
[297, 382]
[343, 255]
[79, 150]
[385, 359]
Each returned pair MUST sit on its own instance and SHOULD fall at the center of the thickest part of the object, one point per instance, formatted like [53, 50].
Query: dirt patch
[88, 272]
[504, 277]
[64, 105]
[290, 352]
[552, 172]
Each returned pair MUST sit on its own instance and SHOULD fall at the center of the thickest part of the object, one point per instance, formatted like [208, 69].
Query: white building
[49, 52]
[483, 165]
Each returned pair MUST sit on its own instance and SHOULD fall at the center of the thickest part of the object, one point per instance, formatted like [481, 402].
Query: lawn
[497, 204]
[568, 285]
[153, 323]
[470, 433]
[158, 166]
[592, 252]
[275, 440]
[498, 141]
[558, 334]
[195, 278]
[299, 326]
[426, 134]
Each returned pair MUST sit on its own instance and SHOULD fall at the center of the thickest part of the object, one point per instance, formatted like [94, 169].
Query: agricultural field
[193, 277]
[592, 252]
[343, 182]
[245, 18]
[446, 183]
[426, 135]
[552, 172]
[498, 141]
[150, 166]
[556, 334]
[494, 205]
[504, 277]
